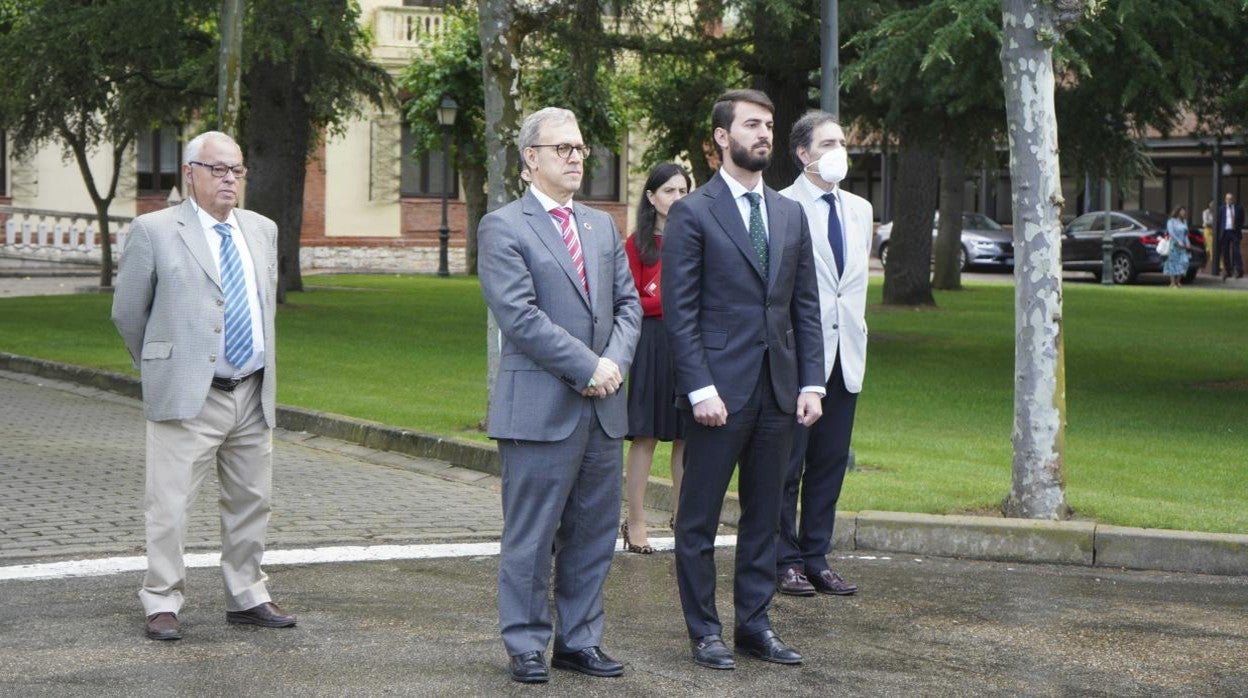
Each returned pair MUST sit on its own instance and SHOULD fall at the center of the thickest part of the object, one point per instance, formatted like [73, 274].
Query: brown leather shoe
[792, 582]
[829, 582]
[162, 626]
[266, 614]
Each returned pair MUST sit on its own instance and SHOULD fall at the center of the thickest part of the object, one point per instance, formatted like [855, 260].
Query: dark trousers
[817, 463]
[753, 436]
[1229, 254]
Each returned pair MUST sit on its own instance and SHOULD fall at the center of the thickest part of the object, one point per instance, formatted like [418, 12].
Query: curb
[975, 537]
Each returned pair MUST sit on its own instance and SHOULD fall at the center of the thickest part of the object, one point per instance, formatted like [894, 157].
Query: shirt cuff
[702, 394]
[818, 389]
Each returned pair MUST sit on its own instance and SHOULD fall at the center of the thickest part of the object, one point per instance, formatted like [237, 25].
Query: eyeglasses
[219, 171]
[564, 150]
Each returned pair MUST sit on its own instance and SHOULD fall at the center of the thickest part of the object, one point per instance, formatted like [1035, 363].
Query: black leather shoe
[162, 626]
[792, 582]
[529, 667]
[829, 582]
[267, 615]
[591, 660]
[709, 651]
[768, 647]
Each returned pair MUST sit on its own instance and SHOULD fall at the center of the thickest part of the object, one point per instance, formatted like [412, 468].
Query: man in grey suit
[741, 308]
[556, 277]
[194, 303]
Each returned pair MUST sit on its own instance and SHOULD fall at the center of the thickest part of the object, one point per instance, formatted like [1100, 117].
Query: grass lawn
[1157, 387]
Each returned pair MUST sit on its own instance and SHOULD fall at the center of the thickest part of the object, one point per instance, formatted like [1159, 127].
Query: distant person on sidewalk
[194, 303]
[1230, 227]
[840, 233]
[652, 413]
[1207, 219]
[1180, 249]
[555, 276]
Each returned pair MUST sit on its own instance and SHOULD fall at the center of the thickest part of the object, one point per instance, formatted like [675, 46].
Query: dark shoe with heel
[591, 661]
[709, 651]
[768, 647]
[529, 667]
[628, 543]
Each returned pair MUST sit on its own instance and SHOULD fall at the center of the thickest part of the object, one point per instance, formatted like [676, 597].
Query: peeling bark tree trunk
[1038, 487]
[500, 68]
[948, 273]
[908, 276]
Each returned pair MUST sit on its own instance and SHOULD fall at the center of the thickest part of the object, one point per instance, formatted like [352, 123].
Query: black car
[1135, 235]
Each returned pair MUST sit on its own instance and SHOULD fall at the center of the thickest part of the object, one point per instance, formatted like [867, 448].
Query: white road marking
[305, 556]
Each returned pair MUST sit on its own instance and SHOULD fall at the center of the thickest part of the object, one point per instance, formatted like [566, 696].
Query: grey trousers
[229, 434]
[563, 495]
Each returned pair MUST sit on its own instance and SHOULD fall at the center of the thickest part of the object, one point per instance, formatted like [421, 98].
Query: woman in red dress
[652, 413]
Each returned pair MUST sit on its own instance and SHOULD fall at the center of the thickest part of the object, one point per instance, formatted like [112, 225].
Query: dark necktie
[835, 238]
[758, 233]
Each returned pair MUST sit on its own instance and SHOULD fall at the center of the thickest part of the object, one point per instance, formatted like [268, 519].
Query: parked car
[984, 242]
[1135, 235]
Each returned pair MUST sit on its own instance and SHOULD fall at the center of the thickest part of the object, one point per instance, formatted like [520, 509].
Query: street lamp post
[446, 117]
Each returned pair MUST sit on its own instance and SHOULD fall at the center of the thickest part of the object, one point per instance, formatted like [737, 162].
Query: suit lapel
[192, 235]
[589, 250]
[724, 209]
[255, 248]
[777, 234]
[544, 228]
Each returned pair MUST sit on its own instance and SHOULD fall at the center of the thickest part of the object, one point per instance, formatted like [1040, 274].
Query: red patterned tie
[563, 214]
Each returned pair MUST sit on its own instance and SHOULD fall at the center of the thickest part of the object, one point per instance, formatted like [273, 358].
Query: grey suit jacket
[552, 332]
[169, 308]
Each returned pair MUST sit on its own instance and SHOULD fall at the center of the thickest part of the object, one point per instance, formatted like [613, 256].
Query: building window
[421, 173]
[159, 160]
[603, 184]
[424, 3]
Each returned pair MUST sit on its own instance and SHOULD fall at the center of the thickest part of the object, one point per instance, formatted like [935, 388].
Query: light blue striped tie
[238, 349]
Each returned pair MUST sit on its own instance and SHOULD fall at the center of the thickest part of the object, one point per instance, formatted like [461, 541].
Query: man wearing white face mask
[840, 231]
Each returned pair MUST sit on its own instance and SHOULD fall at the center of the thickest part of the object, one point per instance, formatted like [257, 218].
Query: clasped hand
[606, 381]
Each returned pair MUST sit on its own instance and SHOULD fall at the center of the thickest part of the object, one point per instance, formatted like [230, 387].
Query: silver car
[984, 242]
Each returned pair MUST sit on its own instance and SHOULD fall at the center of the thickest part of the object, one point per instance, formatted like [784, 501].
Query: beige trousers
[230, 434]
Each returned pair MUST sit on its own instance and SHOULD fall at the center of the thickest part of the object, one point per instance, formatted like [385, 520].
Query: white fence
[58, 236]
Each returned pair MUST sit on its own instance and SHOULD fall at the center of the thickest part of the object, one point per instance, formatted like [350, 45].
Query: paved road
[70, 477]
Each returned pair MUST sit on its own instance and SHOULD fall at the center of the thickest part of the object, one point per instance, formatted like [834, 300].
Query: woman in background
[652, 413]
[1180, 249]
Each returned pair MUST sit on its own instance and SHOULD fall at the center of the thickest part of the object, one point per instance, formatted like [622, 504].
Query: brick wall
[314, 196]
[148, 202]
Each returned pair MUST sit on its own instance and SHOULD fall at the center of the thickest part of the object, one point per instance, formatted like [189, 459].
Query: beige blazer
[169, 308]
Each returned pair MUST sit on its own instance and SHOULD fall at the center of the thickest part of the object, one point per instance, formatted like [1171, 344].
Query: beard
[745, 158]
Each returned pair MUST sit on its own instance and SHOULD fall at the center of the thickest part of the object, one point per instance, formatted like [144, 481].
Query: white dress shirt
[819, 221]
[213, 238]
[549, 204]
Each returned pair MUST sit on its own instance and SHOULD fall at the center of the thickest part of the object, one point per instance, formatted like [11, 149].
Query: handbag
[1163, 246]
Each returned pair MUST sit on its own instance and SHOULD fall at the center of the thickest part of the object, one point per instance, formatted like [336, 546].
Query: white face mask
[832, 166]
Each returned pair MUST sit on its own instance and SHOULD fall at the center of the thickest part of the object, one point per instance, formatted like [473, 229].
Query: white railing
[406, 26]
[58, 235]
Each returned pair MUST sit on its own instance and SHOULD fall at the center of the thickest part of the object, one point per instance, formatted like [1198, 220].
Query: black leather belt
[229, 384]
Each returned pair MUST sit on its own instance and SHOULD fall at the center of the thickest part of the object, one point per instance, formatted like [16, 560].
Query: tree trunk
[788, 93]
[948, 273]
[500, 48]
[278, 131]
[77, 142]
[474, 178]
[908, 275]
[1038, 488]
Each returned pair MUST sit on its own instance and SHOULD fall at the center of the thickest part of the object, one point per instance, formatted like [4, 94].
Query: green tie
[758, 234]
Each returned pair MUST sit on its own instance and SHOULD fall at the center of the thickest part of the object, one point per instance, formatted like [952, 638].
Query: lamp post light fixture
[446, 117]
